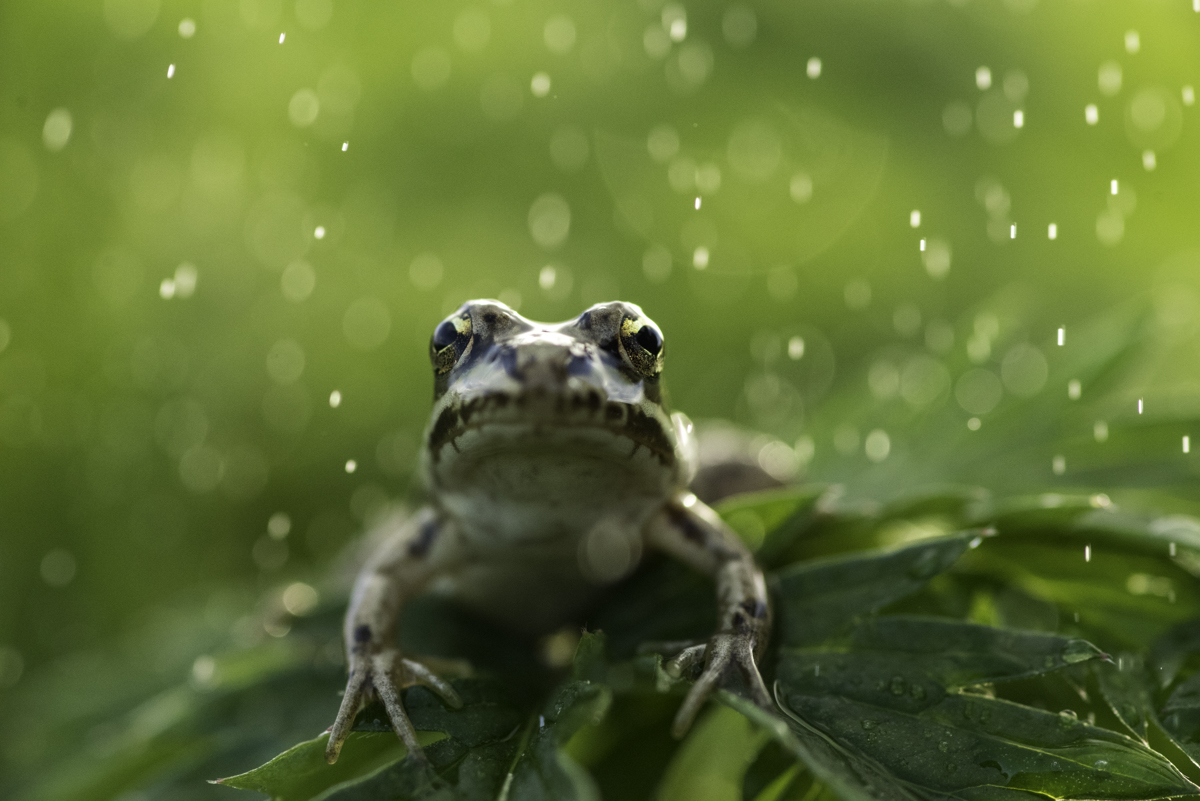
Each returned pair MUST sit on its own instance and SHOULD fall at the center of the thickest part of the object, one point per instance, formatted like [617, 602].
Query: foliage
[944, 666]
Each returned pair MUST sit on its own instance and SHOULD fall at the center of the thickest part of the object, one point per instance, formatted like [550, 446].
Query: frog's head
[535, 397]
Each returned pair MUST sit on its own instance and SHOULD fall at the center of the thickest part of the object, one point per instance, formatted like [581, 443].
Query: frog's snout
[548, 363]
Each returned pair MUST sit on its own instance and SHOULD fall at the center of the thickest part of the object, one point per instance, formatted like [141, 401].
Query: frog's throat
[643, 425]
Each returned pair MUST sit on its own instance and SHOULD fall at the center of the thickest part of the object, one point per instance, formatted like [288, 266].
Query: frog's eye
[650, 338]
[643, 345]
[444, 335]
[449, 342]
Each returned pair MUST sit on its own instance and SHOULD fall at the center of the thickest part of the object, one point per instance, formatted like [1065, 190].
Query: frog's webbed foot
[384, 673]
[723, 654]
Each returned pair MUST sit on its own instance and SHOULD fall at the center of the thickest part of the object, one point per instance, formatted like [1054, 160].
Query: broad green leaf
[711, 763]
[951, 653]
[977, 747]
[1181, 715]
[1172, 650]
[889, 698]
[771, 774]
[850, 776]
[544, 772]
[1124, 600]
[455, 773]
[1127, 691]
[773, 520]
[818, 598]
[301, 772]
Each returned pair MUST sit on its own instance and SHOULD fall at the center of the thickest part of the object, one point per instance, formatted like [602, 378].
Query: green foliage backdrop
[913, 242]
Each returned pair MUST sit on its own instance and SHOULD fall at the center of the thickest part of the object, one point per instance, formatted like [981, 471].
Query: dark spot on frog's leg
[362, 634]
[420, 546]
[686, 525]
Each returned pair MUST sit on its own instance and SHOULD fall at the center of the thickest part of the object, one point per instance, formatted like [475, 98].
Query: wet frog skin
[550, 465]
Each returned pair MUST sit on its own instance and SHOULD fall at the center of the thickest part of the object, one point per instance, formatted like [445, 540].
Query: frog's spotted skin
[551, 463]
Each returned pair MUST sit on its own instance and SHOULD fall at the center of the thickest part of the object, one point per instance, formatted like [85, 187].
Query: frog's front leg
[693, 533]
[422, 548]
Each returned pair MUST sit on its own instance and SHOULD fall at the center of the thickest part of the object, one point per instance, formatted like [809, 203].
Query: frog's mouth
[539, 418]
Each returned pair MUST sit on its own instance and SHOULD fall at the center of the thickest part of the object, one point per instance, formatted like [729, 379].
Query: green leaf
[889, 705]
[711, 763]
[1173, 649]
[455, 773]
[1126, 688]
[772, 521]
[818, 598]
[958, 654]
[981, 747]
[772, 773]
[301, 772]
[544, 772]
[1181, 715]
[851, 776]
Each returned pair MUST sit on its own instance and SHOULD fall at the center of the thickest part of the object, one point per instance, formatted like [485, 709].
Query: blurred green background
[861, 226]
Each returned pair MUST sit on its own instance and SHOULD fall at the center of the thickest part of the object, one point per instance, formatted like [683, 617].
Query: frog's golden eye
[444, 335]
[643, 344]
[448, 343]
[650, 338]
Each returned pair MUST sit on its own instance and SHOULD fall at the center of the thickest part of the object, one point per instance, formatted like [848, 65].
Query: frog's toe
[720, 656]
[351, 701]
[384, 669]
[423, 675]
[686, 660]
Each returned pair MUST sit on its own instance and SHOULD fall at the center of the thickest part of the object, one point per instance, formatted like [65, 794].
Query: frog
[551, 464]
